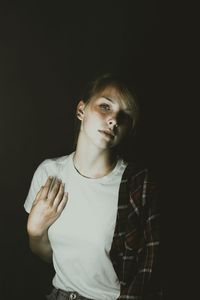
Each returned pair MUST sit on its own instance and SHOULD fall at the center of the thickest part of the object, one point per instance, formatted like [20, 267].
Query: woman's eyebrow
[108, 99]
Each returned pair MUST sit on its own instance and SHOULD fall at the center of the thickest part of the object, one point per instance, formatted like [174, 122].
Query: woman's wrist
[37, 234]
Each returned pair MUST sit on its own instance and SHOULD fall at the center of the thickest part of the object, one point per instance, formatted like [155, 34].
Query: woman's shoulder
[142, 182]
[55, 160]
[135, 168]
[140, 171]
[54, 164]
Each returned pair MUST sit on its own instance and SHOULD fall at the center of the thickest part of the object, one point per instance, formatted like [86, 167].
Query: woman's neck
[93, 163]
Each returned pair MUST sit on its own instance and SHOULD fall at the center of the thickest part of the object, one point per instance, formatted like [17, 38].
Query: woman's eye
[104, 106]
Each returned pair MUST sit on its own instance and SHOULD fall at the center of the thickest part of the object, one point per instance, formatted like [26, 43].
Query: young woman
[91, 213]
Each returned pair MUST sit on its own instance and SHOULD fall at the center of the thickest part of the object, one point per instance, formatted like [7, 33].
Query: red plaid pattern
[135, 248]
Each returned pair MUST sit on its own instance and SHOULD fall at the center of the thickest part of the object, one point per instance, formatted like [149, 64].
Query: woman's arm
[142, 278]
[40, 245]
[146, 283]
[46, 208]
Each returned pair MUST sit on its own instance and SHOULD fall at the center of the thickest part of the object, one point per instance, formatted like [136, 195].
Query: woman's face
[105, 119]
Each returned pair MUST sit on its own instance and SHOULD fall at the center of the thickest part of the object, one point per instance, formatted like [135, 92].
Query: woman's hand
[46, 208]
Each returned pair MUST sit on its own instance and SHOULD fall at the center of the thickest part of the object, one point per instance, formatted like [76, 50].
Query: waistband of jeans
[71, 295]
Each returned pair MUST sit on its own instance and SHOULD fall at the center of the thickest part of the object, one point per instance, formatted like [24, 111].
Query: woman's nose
[112, 121]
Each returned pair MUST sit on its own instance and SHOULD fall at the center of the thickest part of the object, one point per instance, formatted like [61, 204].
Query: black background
[48, 51]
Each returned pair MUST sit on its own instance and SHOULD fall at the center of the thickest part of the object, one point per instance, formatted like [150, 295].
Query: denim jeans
[58, 294]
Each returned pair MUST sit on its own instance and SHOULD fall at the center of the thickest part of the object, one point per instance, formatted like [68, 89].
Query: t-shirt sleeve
[39, 179]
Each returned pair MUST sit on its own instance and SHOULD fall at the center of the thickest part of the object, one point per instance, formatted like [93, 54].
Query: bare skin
[47, 207]
[94, 156]
[102, 128]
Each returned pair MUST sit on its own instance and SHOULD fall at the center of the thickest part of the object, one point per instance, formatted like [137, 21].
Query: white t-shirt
[81, 237]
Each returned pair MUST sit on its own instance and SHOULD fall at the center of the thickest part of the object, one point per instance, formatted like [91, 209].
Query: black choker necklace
[80, 173]
[110, 169]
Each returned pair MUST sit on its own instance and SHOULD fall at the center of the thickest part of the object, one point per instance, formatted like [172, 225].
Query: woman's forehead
[110, 91]
[112, 94]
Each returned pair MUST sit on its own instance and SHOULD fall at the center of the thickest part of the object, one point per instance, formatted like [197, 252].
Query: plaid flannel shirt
[135, 248]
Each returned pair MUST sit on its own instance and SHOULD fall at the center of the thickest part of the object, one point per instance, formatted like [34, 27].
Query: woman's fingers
[38, 195]
[52, 184]
[46, 187]
[59, 195]
[47, 206]
[54, 190]
[62, 203]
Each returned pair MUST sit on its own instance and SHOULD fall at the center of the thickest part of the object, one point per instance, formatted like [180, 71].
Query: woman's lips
[107, 133]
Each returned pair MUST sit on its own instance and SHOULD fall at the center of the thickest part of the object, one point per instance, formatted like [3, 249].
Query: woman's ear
[80, 110]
